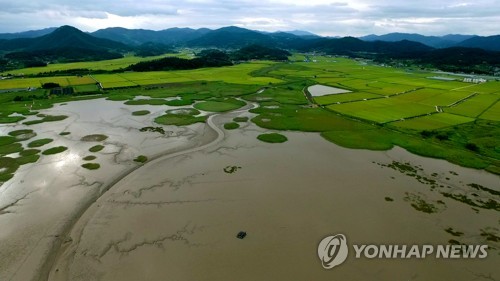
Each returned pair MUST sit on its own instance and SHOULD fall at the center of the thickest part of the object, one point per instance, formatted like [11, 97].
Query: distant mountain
[301, 33]
[171, 36]
[62, 37]
[432, 41]
[355, 46]
[491, 43]
[232, 37]
[253, 52]
[27, 34]
[68, 36]
[66, 43]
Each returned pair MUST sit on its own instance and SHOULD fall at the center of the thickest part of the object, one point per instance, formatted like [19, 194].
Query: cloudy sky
[324, 17]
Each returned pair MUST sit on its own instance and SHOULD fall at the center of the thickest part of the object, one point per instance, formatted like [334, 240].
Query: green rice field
[386, 106]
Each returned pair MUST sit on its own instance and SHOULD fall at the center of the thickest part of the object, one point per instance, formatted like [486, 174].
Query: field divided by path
[391, 95]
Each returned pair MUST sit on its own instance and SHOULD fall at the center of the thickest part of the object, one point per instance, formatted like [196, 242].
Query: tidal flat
[178, 214]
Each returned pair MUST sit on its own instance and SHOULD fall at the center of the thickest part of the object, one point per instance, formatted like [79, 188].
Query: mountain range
[67, 43]
[237, 37]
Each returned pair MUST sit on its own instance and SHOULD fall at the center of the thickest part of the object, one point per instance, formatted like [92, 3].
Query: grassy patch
[8, 166]
[40, 142]
[231, 126]
[272, 138]
[64, 133]
[94, 138]
[181, 102]
[20, 132]
[28, 152]
[146, 102]
[5, 140]
[96, 148]
[179, 119]
[27, 159]
[11, 119]
[240, 119]
[89, 158]
[11, 148]
[54, 150]
[289, 117]
[141, 112]
[141, 159]
[219, 106]
[91, 166]
[46, 118]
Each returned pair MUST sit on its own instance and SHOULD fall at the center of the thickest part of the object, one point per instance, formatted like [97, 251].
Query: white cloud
[325, 17]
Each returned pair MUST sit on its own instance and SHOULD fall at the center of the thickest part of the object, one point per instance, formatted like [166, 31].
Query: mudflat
[178, 217]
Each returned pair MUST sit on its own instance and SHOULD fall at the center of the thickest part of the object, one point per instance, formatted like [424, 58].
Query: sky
[322, 17]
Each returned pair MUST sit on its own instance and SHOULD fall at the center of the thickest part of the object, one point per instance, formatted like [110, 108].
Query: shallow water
[177, 216]
[321, 90]
[43, 199]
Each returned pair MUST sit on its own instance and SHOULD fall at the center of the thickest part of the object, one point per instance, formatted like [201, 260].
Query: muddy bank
[43, 199]
[178, 218]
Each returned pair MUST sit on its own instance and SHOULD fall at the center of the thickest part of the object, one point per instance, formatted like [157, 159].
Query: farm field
[406, 102]
[20, 83]
[91, 65]
[474, 106]
[432, 122]
[238, 74]
[493, 113]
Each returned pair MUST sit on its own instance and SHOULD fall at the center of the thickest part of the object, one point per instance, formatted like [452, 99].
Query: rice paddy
[369, 106]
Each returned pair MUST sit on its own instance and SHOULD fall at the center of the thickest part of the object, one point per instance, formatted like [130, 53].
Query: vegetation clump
[94, 138]
[5, 140]
[141, 112]
[11, 148]
[146, 102]
[46, 118]
[240, 119]
[96, 148]
[231, 126]
[8, 166]
[220, 105]
[54, 150]
[179, 119]
[179, 102]
[420, 204]
[91, 166]
[20, 132]
[40, 142]
[453, 232]
[153, 129]
[141, 159]
[89, 158]
[272, 138]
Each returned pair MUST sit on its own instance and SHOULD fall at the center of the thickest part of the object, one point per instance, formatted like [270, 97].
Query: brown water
[177, 218]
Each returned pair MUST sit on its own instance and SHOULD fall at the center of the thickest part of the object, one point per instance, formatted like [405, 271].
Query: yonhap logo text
[333, 250]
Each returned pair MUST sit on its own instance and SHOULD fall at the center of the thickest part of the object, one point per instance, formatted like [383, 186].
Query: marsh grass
[54, 150]
[272, 138]
[96, 148]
